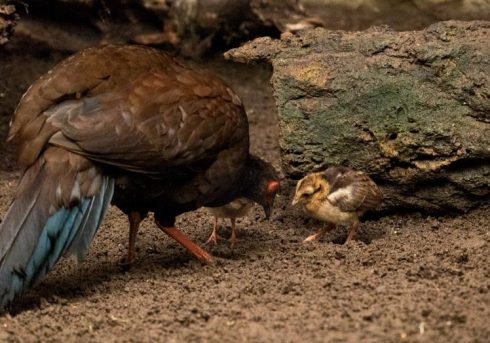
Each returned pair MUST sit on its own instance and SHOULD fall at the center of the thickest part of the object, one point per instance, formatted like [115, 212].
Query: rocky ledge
[410, 108]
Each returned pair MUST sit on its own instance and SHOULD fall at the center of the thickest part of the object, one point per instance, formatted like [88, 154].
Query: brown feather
[358, 192]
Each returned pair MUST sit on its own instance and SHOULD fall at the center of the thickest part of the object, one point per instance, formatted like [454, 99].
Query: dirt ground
[408, 278]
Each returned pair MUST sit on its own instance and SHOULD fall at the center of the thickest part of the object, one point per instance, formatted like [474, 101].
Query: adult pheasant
[126, 124]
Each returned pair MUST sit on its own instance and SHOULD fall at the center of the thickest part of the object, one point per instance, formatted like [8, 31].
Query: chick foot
[213, 237]
[352, 232]
[319, 234]
[233, 239]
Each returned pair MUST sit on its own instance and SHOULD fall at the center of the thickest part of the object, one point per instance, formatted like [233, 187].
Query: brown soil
[407, 278]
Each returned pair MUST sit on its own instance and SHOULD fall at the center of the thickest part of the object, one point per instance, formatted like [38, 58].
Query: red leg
[320, 233]
[352, 231]
[213, 238]
[135, 218]
[186, 242]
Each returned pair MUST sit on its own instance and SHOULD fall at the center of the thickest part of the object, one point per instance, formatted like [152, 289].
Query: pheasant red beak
[272, 186]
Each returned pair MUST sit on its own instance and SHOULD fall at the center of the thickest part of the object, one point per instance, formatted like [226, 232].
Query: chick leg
[352, 231]
[319, 234]
[183, 240]
[213, 238]
[233, 238]
[135, 218]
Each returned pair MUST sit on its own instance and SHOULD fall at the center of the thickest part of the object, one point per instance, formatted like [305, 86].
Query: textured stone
[410, 108]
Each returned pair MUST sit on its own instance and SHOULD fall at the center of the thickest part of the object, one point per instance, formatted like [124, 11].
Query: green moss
[403, 111]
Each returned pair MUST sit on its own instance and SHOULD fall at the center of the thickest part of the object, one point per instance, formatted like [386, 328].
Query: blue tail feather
[78, 246]
[67, 231]
[45, 243]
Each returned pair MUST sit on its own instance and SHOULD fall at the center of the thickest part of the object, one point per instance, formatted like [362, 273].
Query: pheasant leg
[135, 219]
[183, 240]
[213, 238]
[352, 231]
[319, 234]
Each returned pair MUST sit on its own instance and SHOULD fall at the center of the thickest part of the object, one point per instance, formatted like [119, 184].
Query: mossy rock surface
[410, 108]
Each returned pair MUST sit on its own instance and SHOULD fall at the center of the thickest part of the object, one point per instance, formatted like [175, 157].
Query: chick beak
[295, 201]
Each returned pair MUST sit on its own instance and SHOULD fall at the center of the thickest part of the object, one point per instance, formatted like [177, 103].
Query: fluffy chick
[238, 208]
[338, 195]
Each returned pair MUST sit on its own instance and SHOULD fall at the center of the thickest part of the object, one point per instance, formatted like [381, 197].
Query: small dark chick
[236, 209]
[259, 184]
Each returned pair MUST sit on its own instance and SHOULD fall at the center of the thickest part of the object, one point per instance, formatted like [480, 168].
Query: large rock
[410, 108]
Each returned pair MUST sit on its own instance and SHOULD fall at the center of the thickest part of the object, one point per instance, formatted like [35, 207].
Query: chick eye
[310, 191]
